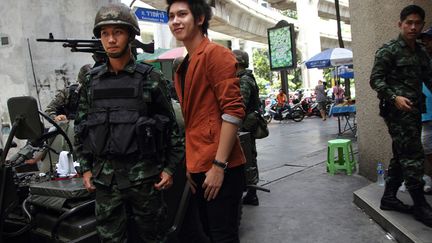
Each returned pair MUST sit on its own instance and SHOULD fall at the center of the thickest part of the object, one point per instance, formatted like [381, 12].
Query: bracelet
[220, 164]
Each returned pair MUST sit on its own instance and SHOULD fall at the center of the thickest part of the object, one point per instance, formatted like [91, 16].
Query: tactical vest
[118, 125]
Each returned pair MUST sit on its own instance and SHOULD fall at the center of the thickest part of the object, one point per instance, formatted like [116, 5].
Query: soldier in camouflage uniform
[65, 104]
[62, 109]
[127, 137]
[250, 93]
[400, 68]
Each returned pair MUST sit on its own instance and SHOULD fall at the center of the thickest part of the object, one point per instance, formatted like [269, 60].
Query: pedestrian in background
[426, 38]
[209, 94]
[250, 93]
[321, 98]
[281, 99]
[338, 93]
[127, 136]
[400, 67]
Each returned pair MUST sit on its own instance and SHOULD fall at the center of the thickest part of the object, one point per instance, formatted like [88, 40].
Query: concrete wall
[25, 21]
[372, 24]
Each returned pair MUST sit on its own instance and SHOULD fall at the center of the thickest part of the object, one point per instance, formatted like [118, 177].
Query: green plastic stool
[345, 159]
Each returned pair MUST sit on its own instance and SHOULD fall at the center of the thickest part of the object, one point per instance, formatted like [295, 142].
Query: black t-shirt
[183, 70]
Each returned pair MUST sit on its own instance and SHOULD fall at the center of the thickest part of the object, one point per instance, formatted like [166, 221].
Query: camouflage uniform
[250, 94]
[61, 98]
[400, 71]
[64, 102]
[126, 199]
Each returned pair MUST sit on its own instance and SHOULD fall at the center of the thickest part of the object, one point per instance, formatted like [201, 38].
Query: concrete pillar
[235, 43]
[373, 23]
[308, 40]
[248, 47]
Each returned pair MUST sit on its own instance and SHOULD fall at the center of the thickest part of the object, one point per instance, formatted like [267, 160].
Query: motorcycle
[284, 113]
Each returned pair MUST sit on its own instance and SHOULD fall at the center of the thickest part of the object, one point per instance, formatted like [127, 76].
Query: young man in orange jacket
[212, 106]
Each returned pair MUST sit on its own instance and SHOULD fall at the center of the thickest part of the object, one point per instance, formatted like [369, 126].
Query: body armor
[118, 125]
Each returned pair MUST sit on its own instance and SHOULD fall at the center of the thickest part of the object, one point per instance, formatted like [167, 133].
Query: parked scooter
[286, 112]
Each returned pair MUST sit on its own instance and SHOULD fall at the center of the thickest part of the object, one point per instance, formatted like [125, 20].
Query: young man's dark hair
[412, 9]
[198, 8]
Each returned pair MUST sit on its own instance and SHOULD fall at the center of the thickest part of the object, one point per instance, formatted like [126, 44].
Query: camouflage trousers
[408, 155]
[135, 214]
[251, 171]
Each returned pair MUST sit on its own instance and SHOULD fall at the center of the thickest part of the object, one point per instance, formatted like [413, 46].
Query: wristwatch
[393, 98]
[220, 164]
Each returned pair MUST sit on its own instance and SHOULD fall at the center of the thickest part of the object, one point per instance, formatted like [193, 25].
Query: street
[305, 203]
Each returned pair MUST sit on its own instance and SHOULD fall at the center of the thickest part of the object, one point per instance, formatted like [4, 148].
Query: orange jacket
[281, 99]
[210, 90]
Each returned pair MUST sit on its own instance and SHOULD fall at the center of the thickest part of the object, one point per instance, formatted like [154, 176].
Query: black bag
[256, 125]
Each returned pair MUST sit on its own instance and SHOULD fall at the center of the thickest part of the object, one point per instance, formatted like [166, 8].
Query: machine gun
[95, 46]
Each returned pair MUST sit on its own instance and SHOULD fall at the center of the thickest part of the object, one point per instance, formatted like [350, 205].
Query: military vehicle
[45, 208]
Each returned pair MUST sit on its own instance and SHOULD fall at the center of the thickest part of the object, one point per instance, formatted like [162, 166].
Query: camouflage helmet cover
[242, 58]
[115, 14]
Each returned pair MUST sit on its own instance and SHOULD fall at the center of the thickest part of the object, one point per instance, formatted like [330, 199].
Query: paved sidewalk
[305, 204]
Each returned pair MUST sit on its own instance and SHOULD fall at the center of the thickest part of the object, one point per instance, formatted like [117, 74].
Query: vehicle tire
[298, 115]
[268, 119]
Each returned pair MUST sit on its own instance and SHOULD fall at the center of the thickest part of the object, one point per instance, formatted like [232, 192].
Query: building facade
[28, 67]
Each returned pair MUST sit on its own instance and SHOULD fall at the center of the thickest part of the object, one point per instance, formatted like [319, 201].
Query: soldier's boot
[422, 210]
[389, 201]
[251, 198]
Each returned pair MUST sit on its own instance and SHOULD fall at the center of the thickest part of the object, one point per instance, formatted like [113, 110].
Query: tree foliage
[267, 78]
[261, 64]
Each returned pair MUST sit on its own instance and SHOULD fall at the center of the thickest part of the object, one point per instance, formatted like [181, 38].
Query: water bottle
[380, 174]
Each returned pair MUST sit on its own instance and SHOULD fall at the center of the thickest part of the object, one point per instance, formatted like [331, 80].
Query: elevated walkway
[326, 8]
[246, 19]
[403, 227]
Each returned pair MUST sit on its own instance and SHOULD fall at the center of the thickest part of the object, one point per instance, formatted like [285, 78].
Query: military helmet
[115, 14]
[242, 58]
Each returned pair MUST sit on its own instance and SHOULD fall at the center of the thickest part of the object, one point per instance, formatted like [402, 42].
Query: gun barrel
[69, 40]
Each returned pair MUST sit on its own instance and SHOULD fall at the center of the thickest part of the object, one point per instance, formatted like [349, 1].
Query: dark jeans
[220, 216]
[192, 230]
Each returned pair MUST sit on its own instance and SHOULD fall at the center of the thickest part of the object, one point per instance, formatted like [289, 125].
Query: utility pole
[347, 83]
[338, 20]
